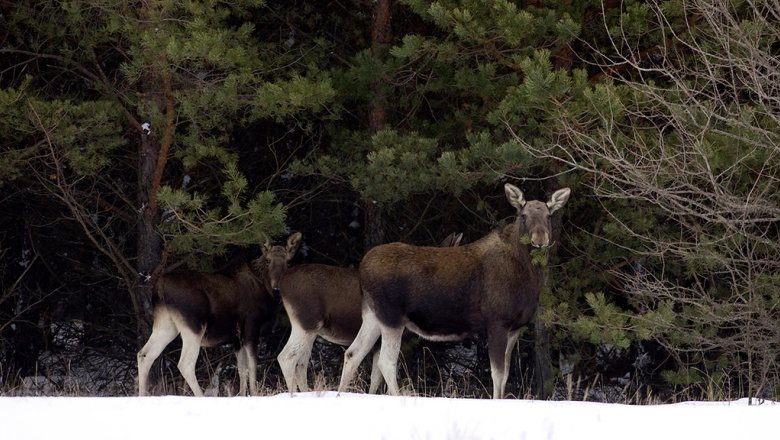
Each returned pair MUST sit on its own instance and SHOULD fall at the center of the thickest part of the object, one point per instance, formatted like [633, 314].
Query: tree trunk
[374, 232]
[542, 360]
[543, 371]
[381, 34]
[152, 159]
[149, 241]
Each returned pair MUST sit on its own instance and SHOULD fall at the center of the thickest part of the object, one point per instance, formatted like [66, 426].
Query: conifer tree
[124, 114]
[457, 72]
[682, 144]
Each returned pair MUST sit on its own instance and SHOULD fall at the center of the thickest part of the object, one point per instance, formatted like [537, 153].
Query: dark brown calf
[323, 301]
[446, 293]
[208, 309]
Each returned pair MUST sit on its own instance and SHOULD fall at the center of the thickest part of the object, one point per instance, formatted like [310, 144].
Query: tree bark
[543, 371]
[543, 374]
[152, 159]
[381, 35]
[149, 241]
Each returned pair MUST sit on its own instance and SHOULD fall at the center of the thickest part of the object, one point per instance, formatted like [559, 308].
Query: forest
[148, 137]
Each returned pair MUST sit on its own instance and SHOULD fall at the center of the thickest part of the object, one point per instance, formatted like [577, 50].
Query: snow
[359, 416]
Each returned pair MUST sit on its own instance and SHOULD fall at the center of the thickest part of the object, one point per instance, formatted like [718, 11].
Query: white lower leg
[288, 358]
[376, 374]
[357, 351]
[190, 349]
[498, 375]
[302, 364]
[163, 332]
[251, 366]
[388, 357]
[242, 371]
[510, 346]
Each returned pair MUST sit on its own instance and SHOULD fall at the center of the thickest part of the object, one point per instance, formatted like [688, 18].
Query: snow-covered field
[358, 416]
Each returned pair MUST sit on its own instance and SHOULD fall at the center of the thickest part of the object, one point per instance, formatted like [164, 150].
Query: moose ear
[292, 244]
[558, 199]
[458, 238]
[515, 196]
[452, 240]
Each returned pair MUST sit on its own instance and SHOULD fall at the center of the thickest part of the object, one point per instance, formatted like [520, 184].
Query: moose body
[445, 294]
[233, 306]
[320, 300]
[324, 301]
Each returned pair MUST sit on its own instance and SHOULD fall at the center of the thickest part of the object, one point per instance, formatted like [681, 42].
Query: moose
[443, 294]
[325, 301]
[233, 306]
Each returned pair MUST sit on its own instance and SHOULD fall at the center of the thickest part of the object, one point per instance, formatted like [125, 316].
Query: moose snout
[540, 239]
[275, 292]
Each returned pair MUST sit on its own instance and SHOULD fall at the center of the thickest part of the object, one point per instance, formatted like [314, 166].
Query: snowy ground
[358, 416]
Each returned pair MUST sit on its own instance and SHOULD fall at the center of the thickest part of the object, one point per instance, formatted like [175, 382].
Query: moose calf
[232, 306]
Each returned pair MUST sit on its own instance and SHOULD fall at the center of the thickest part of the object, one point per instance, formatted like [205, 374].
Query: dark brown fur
[327, 299]
[446, 293]
[323, 301]
[233, 306]
[454, 291]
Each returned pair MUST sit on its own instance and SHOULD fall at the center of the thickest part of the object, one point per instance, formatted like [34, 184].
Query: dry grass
[222, 381]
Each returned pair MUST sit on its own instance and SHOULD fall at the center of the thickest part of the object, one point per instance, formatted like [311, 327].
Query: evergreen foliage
[223, 78]
[661, 116]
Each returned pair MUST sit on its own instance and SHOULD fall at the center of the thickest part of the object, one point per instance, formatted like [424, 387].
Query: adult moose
[443, 294]
[234, 305]
[325, 301]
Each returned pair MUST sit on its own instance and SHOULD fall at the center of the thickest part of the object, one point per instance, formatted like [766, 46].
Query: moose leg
[510, 346]
[364, 341]
[243, 372]
[163, 332]
[247, 369]
[498, 339]
[190, 349]
[388, 357]
[288, 358]
[302, 363]
[251, 365]
[376, 374]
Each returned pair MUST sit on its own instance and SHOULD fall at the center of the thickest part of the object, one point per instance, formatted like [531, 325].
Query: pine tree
[124, 114]
[682, 145]
[466, 78]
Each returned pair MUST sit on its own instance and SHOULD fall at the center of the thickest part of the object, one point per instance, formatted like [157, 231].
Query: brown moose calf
[232, 306]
